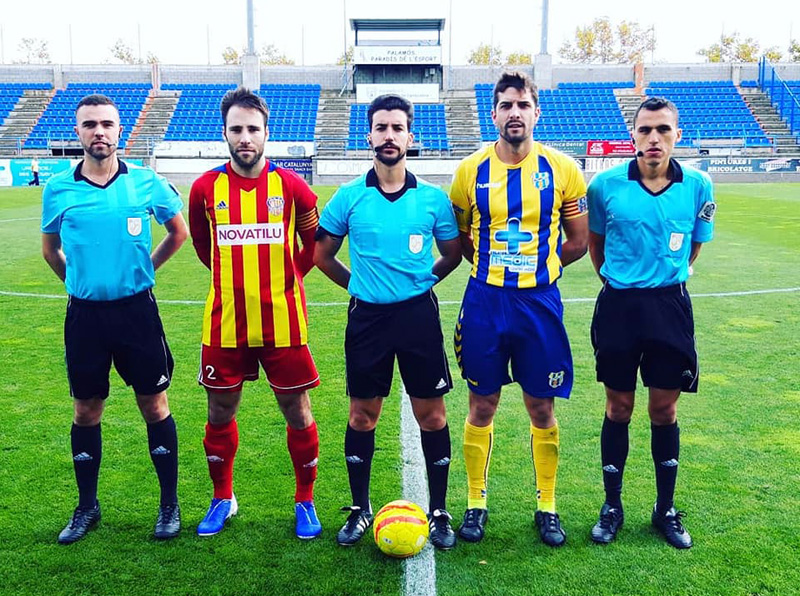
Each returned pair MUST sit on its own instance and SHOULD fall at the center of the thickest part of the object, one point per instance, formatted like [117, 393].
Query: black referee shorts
[128, 332]
[647, 329]
[409, 330]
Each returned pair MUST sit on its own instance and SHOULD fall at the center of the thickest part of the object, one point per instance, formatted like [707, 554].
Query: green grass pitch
[740, 456]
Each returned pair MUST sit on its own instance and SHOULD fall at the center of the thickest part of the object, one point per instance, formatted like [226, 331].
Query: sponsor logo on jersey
[515, 263]
[353, 459]
[275, 205]
[556, 379]
[485, 185]
[134, 226]
[221, 205]
[611, 469]
[415, 243]
[441, 384]
[670, 463]
[242, 234]
[442, 462]
[162, 380]
[540, 180]
[82, 456]
[160, 450]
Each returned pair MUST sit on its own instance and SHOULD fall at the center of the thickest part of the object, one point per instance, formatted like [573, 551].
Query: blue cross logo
[513, 236]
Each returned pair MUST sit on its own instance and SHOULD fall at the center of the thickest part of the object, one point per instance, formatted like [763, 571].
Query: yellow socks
[477, 454]
[544, 446]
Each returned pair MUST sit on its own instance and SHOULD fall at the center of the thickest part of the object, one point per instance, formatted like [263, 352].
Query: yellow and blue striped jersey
[514, 213]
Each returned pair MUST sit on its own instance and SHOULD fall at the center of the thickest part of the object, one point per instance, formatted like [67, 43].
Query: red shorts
[289, 370]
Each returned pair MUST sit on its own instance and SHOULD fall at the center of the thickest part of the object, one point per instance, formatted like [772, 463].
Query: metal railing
[781, 96]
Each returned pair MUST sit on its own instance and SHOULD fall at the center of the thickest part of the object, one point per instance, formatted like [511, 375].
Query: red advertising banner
[610, 148]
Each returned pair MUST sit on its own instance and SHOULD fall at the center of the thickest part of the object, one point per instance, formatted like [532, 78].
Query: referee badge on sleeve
[134, 226]
[707, 211]
[415, 243]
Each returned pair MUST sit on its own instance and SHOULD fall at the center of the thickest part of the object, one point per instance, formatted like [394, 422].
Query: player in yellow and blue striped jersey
[512, 201]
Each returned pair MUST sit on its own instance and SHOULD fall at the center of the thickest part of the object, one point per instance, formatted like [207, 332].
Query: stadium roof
[397, 24]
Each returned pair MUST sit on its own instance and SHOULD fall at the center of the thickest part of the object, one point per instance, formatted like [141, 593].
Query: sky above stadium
[313, 32]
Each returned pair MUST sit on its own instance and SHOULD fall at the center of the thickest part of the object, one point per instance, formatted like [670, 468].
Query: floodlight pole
[545, 16]
[251, 38]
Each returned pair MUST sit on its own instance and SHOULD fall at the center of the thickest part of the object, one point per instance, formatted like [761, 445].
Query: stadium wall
[331, 78]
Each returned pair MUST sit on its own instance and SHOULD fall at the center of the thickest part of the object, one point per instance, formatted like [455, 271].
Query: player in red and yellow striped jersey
[245, 218]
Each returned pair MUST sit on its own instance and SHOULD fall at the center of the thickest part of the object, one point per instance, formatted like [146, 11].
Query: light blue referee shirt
[648, 236]
[391, 236]
[105, 230]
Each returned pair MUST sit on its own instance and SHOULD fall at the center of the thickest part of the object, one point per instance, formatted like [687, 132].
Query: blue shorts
[521, 326]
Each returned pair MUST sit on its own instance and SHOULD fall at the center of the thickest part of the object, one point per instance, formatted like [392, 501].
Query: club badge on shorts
[415, 243]
[675, 241]
[556, 379]
[134, 226]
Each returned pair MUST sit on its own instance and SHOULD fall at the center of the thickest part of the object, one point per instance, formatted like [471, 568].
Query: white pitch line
[442, 302]
[419, 571]
[19, 219]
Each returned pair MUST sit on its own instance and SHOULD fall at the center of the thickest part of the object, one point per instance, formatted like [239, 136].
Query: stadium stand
[429, 127]
[293, 112]
[57, 122]
[572, 112]
[711, 111]
[10, 94]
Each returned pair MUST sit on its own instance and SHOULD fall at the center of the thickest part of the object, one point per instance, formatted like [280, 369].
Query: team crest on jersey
[556, 379]
[415, 243]
[540, 180]
[707, 211]
[275, 205]
[134, 226]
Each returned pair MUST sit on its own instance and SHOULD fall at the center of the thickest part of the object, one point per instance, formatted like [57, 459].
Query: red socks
[304, 450]
[221, 442]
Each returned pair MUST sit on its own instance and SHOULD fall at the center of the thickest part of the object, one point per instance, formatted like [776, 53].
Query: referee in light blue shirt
[648, 220]
[96, 238]
[392, 220]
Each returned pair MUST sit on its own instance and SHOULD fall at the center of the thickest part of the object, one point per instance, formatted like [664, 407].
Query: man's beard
[243, 163]
[100, 152]
[389, 161]
[515, 140]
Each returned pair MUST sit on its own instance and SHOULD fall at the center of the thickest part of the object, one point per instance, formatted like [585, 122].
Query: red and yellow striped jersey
[245, 230]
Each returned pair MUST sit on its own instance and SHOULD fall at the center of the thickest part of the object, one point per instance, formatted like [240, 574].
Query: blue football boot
[220, 511]
[307, 526]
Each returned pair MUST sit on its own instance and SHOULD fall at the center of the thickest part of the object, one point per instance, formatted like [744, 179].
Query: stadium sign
[713, 165]
[415, 93]
[397, 55]
[609, 148]
[299, 166]
[17, 172]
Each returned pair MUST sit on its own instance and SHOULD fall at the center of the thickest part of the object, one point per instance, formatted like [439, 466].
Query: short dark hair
[244, 98]
[96, 99]
[654, 104]
[519, 81]
[391, 102]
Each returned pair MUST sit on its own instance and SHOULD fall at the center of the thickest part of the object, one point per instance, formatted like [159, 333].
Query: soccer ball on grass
[401, 529]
